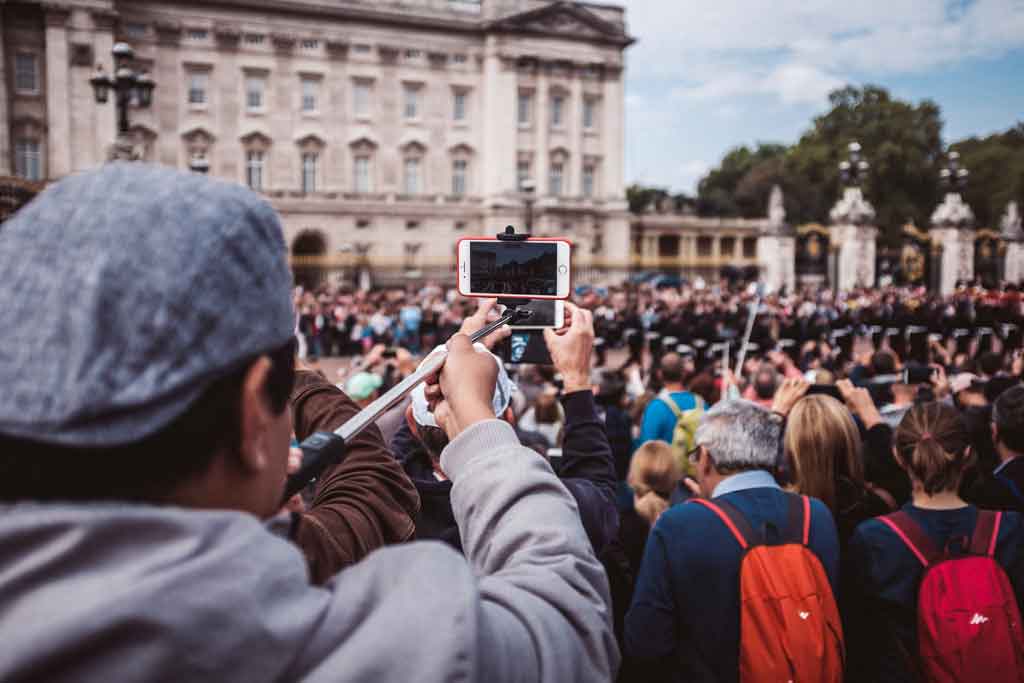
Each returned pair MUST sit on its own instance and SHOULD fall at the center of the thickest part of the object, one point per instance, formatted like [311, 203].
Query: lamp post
[527, 187]
[953, 176]
[854, 170]
[128, 85]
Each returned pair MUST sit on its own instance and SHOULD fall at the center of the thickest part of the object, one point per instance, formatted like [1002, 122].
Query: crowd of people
[839, 499]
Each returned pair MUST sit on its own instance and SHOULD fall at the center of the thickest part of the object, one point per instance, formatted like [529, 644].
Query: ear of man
[255, 416]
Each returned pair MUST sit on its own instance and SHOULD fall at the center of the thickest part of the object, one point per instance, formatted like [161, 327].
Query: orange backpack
[790, 631]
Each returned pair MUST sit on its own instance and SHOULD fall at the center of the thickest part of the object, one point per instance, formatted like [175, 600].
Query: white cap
[503, 390]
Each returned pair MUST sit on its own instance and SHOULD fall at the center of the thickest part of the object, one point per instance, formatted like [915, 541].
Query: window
[411, 184]
[254, 170]
[361, 98]
[459, 168]
[255, 86]
[361, 174]
[588, 180]
[668, 246]
[133, 30]
[704, 246]
[555, 179]
[412, 225]
[309, 164]
[255, 38]
[460, 226]
[413, 54]
[197, 84]
[26, 73]
[362, 224]
[727, 246]
[362, 49]
[525, 108]
[27, 160]
[589, 113]
[459, 59]
[310, 94]
[412, 101]
[310, 44]
[557, 104]
[749, 247]
[459, 105]
[522, 174]
[197, 34]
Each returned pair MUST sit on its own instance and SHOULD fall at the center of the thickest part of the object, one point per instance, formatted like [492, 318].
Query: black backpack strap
[733, 519]
[798, 519]
[986, 532]
[913, 536]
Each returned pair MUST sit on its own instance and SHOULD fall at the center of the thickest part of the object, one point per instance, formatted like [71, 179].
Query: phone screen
[543, 313]
[524, 268]
[524, 346]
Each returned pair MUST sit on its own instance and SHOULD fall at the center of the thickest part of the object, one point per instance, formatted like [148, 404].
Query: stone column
[168, 97]
[613, 123]
[776, 256]
[1013, 241]
[499, 123]
[948, 238]
[5, 116]
[541, 126]
[58, 93]
[575, 131]
[106, 114]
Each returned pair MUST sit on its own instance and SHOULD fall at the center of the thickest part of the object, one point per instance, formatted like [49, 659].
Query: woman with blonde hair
[653, 475]
[822, 447]
[889, 557]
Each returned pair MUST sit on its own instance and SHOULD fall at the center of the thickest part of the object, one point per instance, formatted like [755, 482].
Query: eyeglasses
[693, 455]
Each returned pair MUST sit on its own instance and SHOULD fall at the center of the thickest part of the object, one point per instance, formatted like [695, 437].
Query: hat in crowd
[130, 289]
[503, 390]
[964, 381]
[361, 385]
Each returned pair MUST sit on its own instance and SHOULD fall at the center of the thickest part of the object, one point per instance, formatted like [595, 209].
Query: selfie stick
[325, 449]
[742, 357]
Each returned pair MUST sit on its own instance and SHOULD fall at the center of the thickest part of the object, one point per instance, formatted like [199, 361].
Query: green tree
[996, 164]
[716, 193]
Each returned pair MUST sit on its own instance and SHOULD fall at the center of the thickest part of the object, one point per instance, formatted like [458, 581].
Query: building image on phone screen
[514, 268]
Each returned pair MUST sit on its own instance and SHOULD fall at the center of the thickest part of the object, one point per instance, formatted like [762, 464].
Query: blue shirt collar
[741, 481]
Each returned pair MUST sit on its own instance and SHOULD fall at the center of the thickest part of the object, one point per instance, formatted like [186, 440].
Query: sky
[709, 75]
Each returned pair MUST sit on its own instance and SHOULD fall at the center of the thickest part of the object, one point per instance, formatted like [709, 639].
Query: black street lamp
[854, 170]
[953, 176]
[527, 187]
[127, 84]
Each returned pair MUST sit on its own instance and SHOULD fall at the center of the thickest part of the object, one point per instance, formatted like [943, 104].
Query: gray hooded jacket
[130, 593]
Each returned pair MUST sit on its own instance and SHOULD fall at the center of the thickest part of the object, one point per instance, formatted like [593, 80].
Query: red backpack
[789, 624]
[968, 624]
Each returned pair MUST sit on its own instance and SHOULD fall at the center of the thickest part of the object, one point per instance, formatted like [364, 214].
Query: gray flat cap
[127, 291]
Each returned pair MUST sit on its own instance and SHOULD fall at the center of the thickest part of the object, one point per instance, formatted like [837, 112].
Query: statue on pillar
[776, 246]
[853, 232]
[776, 209]
[1010, 223]
[1013, 240]
[952, 221]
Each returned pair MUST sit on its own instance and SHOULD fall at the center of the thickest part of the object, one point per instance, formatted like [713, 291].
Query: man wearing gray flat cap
[146, 366]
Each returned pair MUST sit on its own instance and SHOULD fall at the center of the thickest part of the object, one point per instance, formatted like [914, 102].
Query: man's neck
[674, 387]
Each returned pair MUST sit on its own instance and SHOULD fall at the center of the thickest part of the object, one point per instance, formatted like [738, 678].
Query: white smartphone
[543, 313]
[530, 269]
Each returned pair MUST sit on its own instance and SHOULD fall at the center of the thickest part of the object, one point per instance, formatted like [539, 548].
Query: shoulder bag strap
[986, 532]
[733, 520]
[912, 535]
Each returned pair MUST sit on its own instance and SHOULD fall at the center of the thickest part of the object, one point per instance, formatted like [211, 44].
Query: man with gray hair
[685, 616]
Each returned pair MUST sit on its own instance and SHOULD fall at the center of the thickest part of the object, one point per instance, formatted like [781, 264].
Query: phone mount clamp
[325, 449]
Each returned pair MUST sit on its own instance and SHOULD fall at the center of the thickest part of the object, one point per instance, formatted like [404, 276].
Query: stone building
[381, 131]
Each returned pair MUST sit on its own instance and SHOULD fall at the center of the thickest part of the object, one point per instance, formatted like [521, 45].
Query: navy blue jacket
[684, 623]
[587, 470]
[881, 631]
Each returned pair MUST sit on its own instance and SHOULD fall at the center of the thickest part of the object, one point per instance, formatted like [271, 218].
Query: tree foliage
[903, 143]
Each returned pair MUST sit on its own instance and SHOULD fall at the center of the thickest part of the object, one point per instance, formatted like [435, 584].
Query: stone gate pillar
[1013, 240]
[853, 234]
[951, 229]
[776, 247]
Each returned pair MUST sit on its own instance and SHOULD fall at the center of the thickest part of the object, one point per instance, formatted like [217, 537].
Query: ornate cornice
[56, 14]
[284, 43]
[337, 49]
[104, 20]
[228, 36]
[167, 32]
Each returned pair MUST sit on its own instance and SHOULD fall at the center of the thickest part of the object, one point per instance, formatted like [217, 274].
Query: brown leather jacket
[361, 504]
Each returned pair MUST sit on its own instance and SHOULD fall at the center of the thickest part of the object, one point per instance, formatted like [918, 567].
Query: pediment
[564, 20]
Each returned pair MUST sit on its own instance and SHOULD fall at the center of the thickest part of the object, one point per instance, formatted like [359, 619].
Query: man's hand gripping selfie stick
[324, 449]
